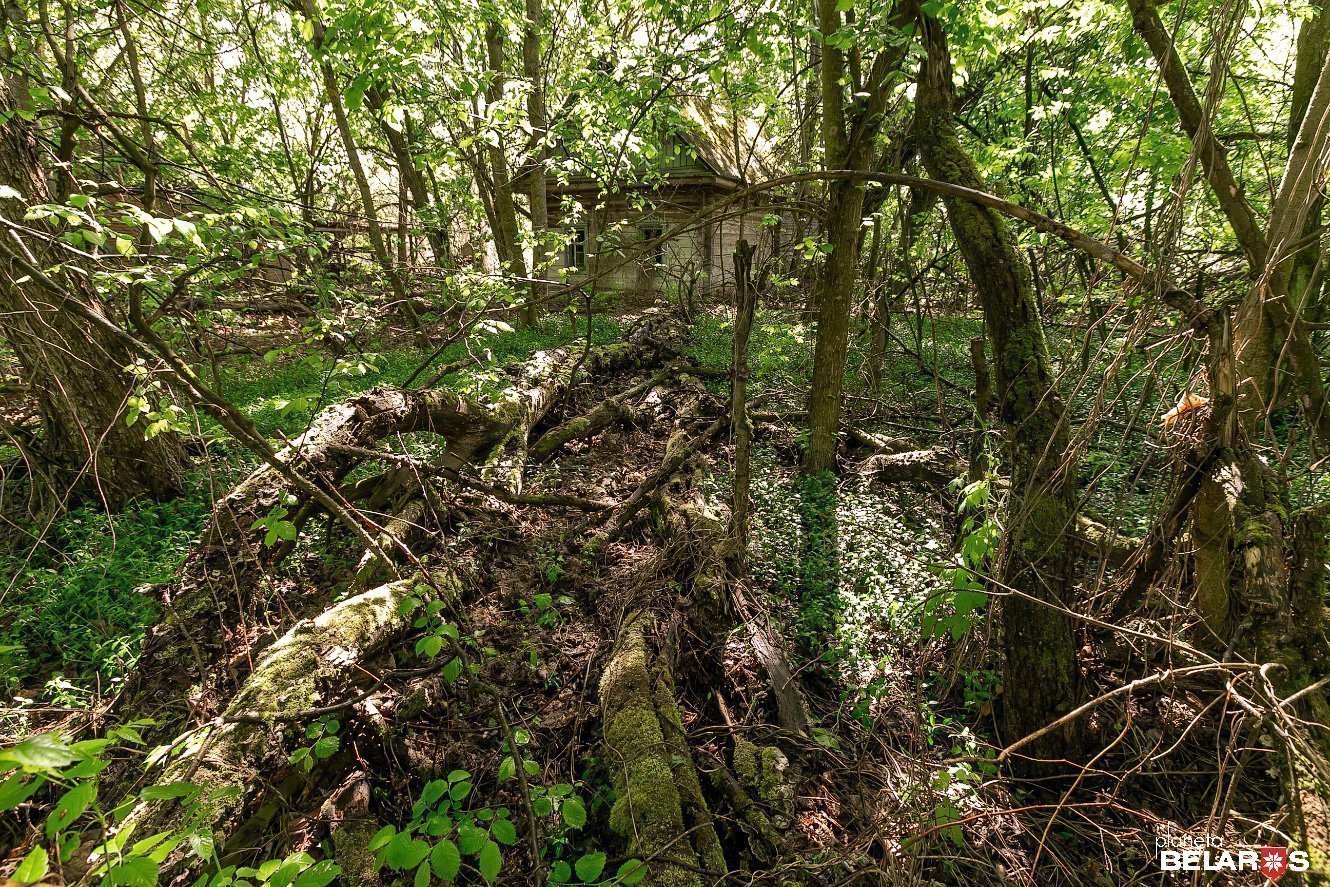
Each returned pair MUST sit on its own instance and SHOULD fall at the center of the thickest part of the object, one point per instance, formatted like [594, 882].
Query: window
[574, 253]
[654, 256]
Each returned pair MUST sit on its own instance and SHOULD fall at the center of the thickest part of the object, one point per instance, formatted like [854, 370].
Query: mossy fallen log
[659, 811]
[933, 466]
[225, 580]
[230, 759]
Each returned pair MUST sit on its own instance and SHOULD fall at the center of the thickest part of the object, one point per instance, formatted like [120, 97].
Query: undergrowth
[77, 603]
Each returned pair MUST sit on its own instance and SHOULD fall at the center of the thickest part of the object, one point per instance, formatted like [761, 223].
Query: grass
[76, 607]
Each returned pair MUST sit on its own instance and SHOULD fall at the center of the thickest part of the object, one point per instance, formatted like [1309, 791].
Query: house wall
[700, 257]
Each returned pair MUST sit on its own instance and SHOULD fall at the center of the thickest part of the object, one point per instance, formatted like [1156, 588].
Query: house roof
[733, 149]
[740, 156]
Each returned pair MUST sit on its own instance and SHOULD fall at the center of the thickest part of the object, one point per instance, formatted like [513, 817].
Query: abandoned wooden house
[608, 236]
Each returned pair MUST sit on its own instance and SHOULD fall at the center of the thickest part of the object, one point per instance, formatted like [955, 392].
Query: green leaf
[326, 747]
[405, 852]
[168, 791]
[560, 873]
[434, 789]
[18, 788]
[70, 807]
[45, 751]
[631, 872]
[33, 867]
[446, 860]
[470, 839]
[459, 791]
[507, 769]
[438, 824]
[573, 812]
[453, 670]
[503, 831]
[590, 865]
[320, 874]
[422, 876]
[491, 860]
[382, 837]
[137, 872]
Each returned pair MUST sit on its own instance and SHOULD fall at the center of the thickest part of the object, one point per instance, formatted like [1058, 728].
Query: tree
[849, 129]
[91, 445]
[1041, 678]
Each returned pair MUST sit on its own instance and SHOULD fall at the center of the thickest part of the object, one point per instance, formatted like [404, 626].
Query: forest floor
[897, 775]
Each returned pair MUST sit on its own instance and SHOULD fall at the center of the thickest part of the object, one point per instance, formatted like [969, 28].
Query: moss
[352, 854]
[647, 811]
[762, 769]
[703, 831]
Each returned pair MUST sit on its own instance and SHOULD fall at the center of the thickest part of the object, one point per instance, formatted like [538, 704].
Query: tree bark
[848, 132]
[1041, 678]
[76, 371]
[507, 233]
[741, 430]
[1305, 278]
[537, 117]
[1267, 324]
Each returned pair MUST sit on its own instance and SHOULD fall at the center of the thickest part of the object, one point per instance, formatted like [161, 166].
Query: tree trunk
[507, 233]
[378, 244]
[741, 430]
[1304, 277]
[400, 145]
[1041, 680]
[75, 371]
[1266, 326]
[535, 105]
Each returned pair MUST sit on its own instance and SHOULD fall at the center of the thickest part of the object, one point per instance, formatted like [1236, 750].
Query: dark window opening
[654, 245]
[574, 253]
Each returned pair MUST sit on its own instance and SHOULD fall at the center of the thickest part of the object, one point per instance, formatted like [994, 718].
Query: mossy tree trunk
[849, 128]
[1040, 677]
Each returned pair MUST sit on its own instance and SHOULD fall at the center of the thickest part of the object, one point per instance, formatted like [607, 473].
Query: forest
[729, 442]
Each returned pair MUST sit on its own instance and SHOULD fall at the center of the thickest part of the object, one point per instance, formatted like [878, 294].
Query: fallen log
[228, 570]
[225, 763]
[1104, 542]
[608, 412]
[677, 452]
[657, 811]
[525, 408]
[935, 466]
[940, 466]
[227, 575]
[725, 602]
